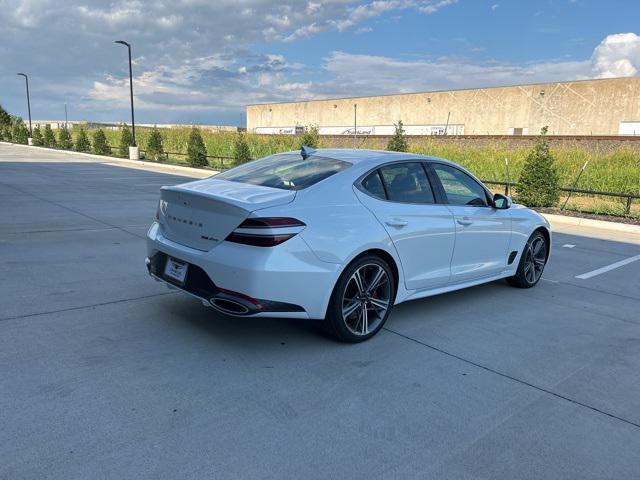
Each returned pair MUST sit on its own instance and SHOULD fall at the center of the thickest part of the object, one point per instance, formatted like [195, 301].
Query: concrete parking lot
[105, 373]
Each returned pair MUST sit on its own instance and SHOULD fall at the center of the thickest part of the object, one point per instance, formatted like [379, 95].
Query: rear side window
[373, 185]
[287, 171]
[407, 183]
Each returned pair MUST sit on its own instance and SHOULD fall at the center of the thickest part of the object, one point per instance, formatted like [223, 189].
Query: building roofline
[444, 91]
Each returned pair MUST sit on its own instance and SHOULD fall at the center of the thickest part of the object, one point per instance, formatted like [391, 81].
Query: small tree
[82, 141]
[241, 151]
[64, 139]
[100, 144]
[20, 133]
[38, 141]
[155, 147]
[310, 137]
[49, 139]
[6, 133]
[126, 140]
[398, 143]
[5, 118]
[538, 184]
[196, 150]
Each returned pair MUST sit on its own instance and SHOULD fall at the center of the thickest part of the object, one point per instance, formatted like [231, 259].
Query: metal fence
[626, 197]
[212, 157]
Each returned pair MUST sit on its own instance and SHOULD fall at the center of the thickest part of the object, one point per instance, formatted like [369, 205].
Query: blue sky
[198, 61]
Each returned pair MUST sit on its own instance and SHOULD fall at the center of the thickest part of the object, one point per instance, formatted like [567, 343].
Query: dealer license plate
[176, 270]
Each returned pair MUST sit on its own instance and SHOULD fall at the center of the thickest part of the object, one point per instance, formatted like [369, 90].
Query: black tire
[347, 295]
[534, 256]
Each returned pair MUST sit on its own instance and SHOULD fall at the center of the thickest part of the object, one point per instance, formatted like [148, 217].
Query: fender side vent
[512, 257]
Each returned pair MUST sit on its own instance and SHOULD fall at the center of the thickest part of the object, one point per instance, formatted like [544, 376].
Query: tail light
[265, 231]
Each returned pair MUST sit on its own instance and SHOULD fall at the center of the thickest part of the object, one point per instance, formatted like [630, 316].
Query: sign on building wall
[369, 130]
[629, 128]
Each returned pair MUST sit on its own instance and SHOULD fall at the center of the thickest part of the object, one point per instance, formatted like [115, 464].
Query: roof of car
[361, 156]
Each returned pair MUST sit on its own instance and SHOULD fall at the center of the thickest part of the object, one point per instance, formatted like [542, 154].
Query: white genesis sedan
[340, 236]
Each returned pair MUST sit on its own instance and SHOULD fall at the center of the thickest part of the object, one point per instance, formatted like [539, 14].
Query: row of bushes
[537, 171]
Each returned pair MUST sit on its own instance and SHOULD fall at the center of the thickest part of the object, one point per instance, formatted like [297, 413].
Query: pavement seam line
[514, 379]
[71, 210]
[64, 230]
[83, 307]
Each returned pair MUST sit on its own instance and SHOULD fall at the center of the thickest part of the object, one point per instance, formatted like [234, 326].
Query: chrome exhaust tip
[229, 306]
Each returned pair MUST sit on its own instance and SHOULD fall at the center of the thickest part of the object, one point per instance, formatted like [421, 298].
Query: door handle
[466, 221]
[397, 223]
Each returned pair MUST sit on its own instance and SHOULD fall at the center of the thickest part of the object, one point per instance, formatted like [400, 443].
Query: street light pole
[26, 79]
[133, 122]
[65, 114]
[355, 124]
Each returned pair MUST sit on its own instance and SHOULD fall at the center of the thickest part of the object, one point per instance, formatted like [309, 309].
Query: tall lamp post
[26, 79]
[133, 150]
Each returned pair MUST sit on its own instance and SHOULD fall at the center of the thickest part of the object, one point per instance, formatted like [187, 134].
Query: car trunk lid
[202, 214]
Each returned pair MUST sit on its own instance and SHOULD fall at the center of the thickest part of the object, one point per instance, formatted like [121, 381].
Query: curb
[138, 164]
[560, 220]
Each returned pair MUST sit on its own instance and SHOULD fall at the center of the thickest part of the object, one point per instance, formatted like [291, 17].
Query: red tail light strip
[259, 240]
[264, 239]
[271, 222]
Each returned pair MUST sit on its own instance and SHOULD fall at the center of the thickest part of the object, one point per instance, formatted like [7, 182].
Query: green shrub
[241, 151]
[126, 140]
[64, 139]
[100, 145]
[82, 141]
[310, 137]
[7, 134]
[20, 133]
[5, 118]
[196, 151]
[538, 185]
[398, 143]
[38, 141]
[155, 147]
[48, 138]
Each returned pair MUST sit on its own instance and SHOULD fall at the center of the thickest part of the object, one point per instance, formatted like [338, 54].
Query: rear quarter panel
[338, 227]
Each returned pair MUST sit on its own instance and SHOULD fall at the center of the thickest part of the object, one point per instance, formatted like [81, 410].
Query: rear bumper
[283, 281]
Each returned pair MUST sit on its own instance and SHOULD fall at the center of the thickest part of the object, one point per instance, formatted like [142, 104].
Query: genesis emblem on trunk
[185, 221]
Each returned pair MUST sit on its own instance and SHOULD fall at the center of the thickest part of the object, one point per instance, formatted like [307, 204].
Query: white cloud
[617, 56]
[226, 82]
[198, 55]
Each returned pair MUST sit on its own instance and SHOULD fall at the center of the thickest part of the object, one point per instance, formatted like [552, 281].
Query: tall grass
[616, 171]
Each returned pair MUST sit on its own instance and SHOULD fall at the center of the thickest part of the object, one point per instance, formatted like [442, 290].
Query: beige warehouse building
[585, 107]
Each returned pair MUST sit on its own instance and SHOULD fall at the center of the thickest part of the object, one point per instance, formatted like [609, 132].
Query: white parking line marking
[568, 245]
[608, 268]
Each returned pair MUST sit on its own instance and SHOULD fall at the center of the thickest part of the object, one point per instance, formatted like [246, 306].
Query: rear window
[287, 171]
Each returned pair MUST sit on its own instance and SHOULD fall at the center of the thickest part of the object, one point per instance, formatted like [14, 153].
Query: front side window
[287, 171]
[407, 183]
[460, 188]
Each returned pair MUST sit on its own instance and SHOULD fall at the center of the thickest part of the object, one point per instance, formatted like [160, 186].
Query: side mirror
[501, 202]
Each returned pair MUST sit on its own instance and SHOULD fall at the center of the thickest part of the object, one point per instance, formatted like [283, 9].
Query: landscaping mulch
[593, 216]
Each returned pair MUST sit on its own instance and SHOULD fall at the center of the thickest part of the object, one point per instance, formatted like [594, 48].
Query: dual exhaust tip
[232, 305]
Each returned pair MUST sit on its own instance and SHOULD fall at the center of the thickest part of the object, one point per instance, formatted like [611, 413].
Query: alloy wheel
[535, 259]
[366, 299]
